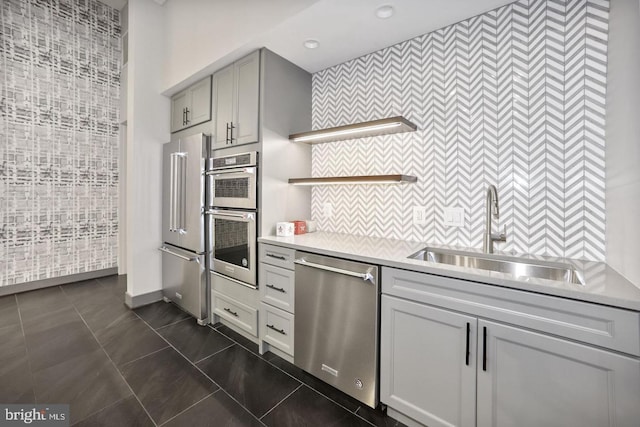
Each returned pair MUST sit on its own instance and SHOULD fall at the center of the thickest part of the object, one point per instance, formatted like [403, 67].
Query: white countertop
[603, 285]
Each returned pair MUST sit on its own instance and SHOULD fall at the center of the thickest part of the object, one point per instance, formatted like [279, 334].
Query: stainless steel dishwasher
[336, 323]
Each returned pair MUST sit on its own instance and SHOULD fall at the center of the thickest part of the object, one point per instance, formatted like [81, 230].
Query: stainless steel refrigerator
[186, 247]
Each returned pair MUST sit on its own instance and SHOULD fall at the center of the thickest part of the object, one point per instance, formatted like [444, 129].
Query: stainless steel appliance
[186, 244]
[232, 196]
[233, 181]
[336, 323]
[234, 249]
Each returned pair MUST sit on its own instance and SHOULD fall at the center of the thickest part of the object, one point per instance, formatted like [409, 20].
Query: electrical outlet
[327, 210]
[454, 217]
[419, 215]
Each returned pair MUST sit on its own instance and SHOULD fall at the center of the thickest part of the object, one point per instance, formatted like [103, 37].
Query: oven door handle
[186, 258]
[243, 171]
[247, 216]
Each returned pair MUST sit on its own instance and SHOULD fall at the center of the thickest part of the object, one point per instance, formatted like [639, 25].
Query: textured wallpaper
[59, 82]
[514, 97]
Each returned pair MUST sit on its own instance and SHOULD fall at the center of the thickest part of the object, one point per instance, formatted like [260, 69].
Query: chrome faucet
[492, 208]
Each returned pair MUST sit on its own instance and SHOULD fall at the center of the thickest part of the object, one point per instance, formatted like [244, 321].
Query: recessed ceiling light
[384, 12]
[311, 44]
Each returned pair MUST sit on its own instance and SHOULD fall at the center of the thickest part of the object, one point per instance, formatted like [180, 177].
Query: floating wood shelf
[357, 130]
[364, 179]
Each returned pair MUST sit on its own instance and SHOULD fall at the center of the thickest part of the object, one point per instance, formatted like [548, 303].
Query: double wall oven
[232, 183]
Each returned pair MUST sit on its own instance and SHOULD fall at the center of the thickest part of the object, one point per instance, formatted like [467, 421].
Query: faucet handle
[503, 236]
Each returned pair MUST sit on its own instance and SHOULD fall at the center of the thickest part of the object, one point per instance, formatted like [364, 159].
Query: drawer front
[235, 290]
[595, 324]
[239, 314]
[277, 286]
[278, 256]
[276, 328]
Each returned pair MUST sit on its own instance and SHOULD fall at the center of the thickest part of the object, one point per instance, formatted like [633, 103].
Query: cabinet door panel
[179, 102]
[200, 110]
[222, 105]
[537, 380]
[247, 75]
[423, 369]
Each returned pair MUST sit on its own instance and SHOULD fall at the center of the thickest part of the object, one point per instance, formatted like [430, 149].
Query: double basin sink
[520, 268]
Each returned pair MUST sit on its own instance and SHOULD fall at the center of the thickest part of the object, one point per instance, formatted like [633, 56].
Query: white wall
[195, 28]
[623, 140]
[147, 129]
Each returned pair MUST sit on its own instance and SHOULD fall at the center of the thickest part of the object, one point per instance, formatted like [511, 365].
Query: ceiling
[347, 29]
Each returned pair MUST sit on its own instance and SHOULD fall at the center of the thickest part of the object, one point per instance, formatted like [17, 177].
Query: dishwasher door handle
[364, 276]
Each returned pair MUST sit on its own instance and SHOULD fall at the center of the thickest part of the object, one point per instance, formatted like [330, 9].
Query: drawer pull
[275, 288]
[276, 329]
[280, 257]
[228, 310]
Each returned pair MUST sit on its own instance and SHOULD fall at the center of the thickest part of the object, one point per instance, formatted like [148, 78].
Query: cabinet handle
[484, 348]
[275, 288]
[468, 334]
[276, 329]
[232, 127]
[226, 139]
[184, 119]
[228, 310]
[186, 110]
[280, 257]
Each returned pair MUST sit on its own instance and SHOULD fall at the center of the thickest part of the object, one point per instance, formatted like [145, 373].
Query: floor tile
[245, 342]
[215, 411]
[129, 340]
[87, 292]
[308, 408]
[9, 311]
[125, 413]
[256, 384]
[63, 335]
[161, 314]
[377, 417]
[87, 383]
[194, 341]
[42, 301]
[15, 376]
[166, 383]
[116, 284]
[313, 382]
[99, 316]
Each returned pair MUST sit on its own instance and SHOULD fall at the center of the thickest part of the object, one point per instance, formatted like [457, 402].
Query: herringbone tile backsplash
[514, 97]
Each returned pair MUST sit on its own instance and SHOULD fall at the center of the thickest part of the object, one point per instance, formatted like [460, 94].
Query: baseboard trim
[55, 281]
[143, 299]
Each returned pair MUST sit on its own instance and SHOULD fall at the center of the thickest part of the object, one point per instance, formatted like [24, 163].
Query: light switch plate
[454, 217]
[327, 210]
[419, 215]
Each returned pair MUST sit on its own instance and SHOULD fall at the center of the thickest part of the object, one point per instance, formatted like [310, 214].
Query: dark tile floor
[152, 366]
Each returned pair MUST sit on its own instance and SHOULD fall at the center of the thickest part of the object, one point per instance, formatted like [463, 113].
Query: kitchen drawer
[276, 328]
[278, 256]
[603, 326]
[237, 313]
[235, 290]
[277, 286]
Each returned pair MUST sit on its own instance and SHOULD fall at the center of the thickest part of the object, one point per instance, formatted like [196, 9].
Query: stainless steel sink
[516, 267]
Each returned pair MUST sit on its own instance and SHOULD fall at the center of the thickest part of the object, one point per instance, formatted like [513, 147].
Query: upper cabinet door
[533, 380]
[200, 109]
[247, 84]
[223, 107]
[179, 105]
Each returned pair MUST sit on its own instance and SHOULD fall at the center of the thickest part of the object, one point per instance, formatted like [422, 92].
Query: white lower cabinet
[425, 373]
[534, 380]
[276, 328]
[443, 367]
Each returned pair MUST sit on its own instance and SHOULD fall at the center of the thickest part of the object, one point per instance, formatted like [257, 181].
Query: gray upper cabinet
[236, 95]
[192, 106]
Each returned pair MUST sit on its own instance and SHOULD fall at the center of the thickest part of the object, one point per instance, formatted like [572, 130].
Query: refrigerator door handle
[186, 258]
[182, 190]
[172, 196]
